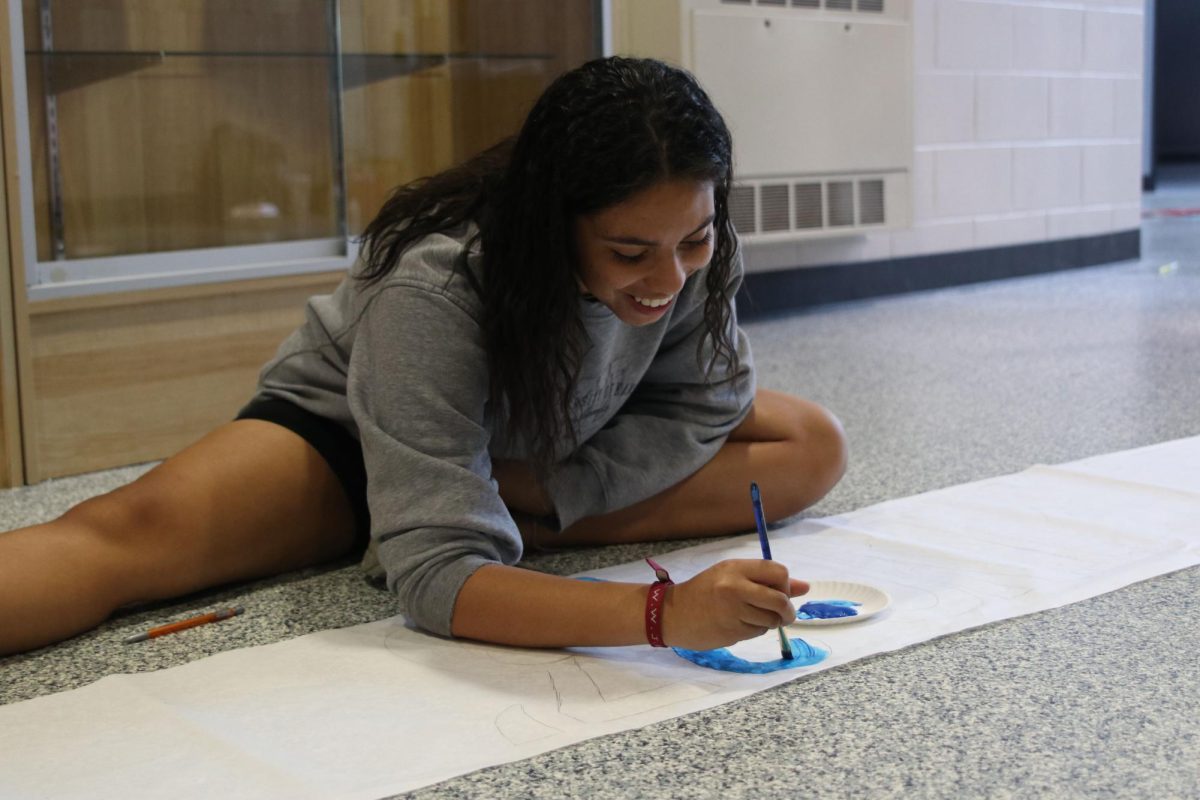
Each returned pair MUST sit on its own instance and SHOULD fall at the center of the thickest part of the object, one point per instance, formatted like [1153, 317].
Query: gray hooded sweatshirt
[401, 365]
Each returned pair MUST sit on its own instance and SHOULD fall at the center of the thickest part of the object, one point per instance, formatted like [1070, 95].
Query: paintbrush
[785, 646]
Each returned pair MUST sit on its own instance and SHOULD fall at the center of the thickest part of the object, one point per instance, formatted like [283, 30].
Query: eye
[701, 242]
[629, 259]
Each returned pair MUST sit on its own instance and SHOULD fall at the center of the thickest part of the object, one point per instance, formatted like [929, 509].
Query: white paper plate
[873, 600]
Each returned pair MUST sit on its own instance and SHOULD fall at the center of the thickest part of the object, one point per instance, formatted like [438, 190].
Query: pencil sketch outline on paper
[578, 688]
[513, 724]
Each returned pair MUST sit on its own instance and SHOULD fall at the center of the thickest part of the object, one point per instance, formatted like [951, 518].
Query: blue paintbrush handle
[760, 521]
[785, 647]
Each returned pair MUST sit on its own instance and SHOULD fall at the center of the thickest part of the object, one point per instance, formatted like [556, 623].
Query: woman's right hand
[728, 602]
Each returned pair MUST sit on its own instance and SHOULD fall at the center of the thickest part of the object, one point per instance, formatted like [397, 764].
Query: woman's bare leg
[251, 499]
[794, 449]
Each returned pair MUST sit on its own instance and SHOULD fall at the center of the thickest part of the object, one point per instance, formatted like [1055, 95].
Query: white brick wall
[1056, 94]
[1027, 126]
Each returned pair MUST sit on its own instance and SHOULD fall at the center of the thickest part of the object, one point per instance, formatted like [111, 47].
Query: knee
[118, 536]
[825, 439]
[122, 518]
[818, 451]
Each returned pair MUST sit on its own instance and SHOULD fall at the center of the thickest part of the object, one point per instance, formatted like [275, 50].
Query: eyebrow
[645, 243]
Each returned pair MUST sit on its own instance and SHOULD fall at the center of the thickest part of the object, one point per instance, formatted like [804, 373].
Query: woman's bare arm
[726, 603]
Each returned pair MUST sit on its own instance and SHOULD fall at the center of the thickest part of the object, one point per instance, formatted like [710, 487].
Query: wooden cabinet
[467, 70]
[183, 124]
[123, 379]
[178, 124]
[12, 468]
[165, 127]
[11, 464]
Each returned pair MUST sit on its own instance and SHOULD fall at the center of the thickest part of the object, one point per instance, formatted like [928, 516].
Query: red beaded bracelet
[654, 603]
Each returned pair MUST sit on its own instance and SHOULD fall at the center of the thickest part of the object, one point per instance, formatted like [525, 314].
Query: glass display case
[181, 141]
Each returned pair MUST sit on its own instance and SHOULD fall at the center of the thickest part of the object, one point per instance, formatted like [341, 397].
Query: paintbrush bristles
[785, 646]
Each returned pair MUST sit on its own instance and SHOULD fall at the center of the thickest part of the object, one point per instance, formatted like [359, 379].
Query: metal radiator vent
[774, 208]
[809, 205]
[743, 210]
[839, 196]
[870, 202]
[810, 211]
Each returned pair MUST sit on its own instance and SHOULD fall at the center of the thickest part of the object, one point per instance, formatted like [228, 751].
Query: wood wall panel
[204, 153]
[132, 382]
[10, 432]
[39, 169]
[12, 277]
[492, 99]
[182, 25]
[395, 131]
[528, 44]
[386, 27]
[647, 29]
[207, 145]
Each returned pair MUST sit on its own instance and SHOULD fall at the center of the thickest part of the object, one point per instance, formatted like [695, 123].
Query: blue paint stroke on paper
[827, 609]
[803, 655]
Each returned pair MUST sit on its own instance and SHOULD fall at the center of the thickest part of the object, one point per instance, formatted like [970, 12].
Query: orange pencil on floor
[184, 624]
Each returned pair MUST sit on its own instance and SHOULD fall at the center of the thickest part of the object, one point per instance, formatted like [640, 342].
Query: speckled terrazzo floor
[1096, 699]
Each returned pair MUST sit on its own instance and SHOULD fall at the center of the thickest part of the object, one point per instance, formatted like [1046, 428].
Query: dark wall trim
[800, 287]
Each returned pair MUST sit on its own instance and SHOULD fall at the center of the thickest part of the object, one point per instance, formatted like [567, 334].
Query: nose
[667, 276]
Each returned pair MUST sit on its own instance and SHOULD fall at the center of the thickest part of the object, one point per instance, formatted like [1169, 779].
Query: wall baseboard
[801, 287]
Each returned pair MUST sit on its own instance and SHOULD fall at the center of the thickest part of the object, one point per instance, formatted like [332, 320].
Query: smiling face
[635, 256]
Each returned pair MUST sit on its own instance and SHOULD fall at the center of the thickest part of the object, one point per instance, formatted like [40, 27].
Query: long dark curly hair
[599, 134]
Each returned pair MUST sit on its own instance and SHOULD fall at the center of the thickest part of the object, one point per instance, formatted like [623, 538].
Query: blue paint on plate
[827, 609]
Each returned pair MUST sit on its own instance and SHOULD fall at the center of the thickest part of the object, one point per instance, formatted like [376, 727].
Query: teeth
[654, 303]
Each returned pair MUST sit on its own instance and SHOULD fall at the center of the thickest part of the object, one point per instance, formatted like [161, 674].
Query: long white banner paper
[377, 709]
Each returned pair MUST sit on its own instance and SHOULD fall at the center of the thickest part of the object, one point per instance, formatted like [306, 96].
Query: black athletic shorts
[340, 450]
